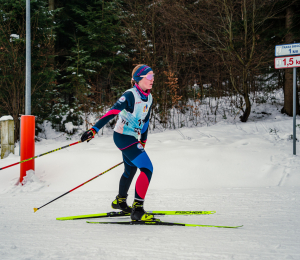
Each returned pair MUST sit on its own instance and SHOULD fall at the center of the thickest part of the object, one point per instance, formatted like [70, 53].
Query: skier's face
[147, 81]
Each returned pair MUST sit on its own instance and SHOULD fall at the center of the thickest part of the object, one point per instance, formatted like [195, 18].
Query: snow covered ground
[244, 171]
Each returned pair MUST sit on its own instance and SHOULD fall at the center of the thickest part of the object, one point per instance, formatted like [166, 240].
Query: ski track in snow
[269, 232]
[246, 172]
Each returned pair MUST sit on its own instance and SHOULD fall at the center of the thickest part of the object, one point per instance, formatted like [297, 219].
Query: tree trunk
[51, 5]
[247, 111]
[288, 76]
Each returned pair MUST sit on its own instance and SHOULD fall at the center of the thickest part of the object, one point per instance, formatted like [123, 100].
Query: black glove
[88, 135]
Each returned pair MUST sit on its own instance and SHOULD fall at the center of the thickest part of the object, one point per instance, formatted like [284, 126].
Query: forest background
[202, 52]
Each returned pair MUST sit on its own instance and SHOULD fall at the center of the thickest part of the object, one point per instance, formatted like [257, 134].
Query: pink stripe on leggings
[128, 146]
[141, 185]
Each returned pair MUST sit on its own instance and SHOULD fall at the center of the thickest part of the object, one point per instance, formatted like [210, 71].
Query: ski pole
[40, 155]
[35, 209]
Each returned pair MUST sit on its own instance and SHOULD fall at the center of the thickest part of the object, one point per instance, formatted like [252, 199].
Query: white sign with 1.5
[287, 49]
[287, 62]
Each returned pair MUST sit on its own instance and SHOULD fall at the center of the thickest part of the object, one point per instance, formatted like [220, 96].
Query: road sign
[287, 49]
[287, 62]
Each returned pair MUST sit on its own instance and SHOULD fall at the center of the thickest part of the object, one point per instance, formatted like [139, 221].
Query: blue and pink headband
[141, 71]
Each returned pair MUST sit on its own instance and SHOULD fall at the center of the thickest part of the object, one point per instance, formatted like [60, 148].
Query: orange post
[27, 144]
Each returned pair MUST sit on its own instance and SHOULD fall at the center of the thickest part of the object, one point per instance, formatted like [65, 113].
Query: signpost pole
[294, 108]
[28, 61]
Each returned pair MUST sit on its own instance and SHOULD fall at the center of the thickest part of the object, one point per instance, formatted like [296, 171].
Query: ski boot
[139, 214]
[120, 203]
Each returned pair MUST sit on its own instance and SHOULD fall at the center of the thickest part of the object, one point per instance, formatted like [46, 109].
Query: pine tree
[12, 57]
[91, 47]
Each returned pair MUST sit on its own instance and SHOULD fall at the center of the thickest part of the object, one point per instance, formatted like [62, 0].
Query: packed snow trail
[270, 217]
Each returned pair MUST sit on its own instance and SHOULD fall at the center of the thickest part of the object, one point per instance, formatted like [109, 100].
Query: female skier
[133, 108]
